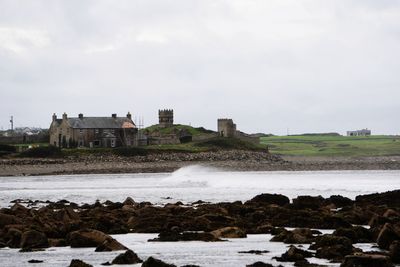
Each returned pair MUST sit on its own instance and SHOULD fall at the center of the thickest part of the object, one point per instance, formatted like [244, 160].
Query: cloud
[20, 41]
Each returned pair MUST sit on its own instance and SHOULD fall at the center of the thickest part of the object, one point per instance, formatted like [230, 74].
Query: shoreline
[235, 161]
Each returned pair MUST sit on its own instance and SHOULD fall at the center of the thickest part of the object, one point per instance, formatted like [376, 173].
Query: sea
[188, 185]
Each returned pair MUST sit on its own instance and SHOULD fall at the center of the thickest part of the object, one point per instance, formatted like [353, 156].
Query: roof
[100, 123]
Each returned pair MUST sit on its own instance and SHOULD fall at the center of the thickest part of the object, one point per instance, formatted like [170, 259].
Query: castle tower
[226, 128]
[166, 117]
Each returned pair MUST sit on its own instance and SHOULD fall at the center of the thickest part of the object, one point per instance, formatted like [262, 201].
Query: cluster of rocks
[89, 225]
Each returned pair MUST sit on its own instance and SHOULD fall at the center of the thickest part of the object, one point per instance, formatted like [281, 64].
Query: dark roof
[100, 123]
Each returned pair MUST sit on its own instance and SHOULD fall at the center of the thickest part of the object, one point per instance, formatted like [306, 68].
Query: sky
[273, 66]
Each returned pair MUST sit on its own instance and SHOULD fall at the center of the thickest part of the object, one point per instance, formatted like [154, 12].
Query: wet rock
[269, 199]
[13, 238]
[297, 236]
[339, 201]
[294, 254]
[387, 235]
[129, 201]
[110, 245]
[260, 264]
[92, 238]
[256, 252]
[356, 234]
[308, 202]
[6, 219]
[153, 262]
[34, 239]
[390, 199]
[395, 251]
[79, 263]
[129, 257]
[35, 261]
[332, 247]
[366, 260]
[229, 232]
[171, 236]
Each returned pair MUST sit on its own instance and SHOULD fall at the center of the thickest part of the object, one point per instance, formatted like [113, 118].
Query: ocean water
[188, 184]
[194, 183]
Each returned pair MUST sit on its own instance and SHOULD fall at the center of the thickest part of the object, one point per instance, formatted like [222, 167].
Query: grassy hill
[331, 145]
[168, 130]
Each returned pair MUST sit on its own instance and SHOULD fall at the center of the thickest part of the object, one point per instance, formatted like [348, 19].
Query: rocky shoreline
[168, 162]
[64, 223]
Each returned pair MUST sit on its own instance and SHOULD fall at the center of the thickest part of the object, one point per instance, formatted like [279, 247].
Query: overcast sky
[306, 66]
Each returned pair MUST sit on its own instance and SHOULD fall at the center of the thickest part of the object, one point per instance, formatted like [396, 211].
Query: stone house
[92, 132]
[363, 132]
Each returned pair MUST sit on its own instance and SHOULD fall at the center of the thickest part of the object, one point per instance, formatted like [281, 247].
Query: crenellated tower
[165, 117]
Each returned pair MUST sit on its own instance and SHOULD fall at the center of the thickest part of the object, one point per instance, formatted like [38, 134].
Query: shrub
[229, 143]
[7, 148]
[130, 151]
[42, 152]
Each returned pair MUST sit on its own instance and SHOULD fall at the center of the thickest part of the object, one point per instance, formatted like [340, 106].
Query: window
[112, 131]
[80, 131]
[96, 131]
[112, 142]
[96, 143]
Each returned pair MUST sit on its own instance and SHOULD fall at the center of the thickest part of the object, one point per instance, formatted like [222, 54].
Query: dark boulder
[339, 201]
[308, 202]
[79, 263]
[269, 199]
[294, 254]
[390, 199]
[229, 232]
[6, 219]
[13, 238]
[171, 236]
[153, 262]
[34, 239]
[260, 264]
[366, 260]
[92, 238]
[297, 236]
[332, 247]
[395, 251]
[387, 235]
[356, 234]
[129, 257]
[35, 261]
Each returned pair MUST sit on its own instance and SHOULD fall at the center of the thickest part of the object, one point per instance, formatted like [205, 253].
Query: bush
[42, 152]
[7, 148]
[229, 143]
[130, 151]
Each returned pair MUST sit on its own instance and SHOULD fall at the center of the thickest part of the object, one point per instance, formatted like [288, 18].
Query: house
[91, 132]
[363, 132]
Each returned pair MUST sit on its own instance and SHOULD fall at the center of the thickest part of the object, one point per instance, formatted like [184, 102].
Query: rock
[171, 236]
[332, 247]
[153, 262]
[260, 264]
[34, 239]
[6, 219]
[229, 232]
[256, 252]
[129, 257]
[13, 238]
[110, 245]
[387, 235]
[294, 254]
[297, 236]
[366, 260]
[93, 238]
[356, 234]
[395, 251]
[390, 199]
[339, 201]
[79, 263]
[35, 261]
[129, 201]
[269, 199]
[308, 202]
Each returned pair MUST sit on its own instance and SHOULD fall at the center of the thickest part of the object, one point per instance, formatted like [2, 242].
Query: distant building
[226, 128]
[166, 118]
[363, 132]
[83, 131]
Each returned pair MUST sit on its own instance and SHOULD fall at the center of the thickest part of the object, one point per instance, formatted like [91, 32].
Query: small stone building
[363, 132]
[166, 118]
[226, 128]
[91, 132]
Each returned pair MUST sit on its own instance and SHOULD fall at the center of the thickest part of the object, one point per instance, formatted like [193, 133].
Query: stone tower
[166, 117]
[226, 128]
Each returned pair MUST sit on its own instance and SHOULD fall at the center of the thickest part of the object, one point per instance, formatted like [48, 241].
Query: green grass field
[326, 145]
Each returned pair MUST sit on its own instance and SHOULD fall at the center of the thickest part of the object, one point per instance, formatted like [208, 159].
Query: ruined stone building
[226, 128]
[166, 117]
[91, 132]
[363, 132]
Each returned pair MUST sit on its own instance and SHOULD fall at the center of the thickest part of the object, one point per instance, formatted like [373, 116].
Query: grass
[326, 145]
[175, 127]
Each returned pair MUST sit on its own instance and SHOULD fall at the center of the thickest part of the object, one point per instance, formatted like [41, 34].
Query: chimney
[54, 117]
[114, 115]
[65, 116]
[129, 116]
[80, 116]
